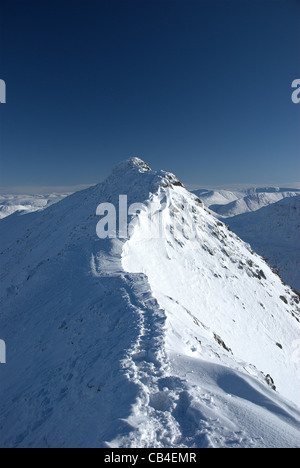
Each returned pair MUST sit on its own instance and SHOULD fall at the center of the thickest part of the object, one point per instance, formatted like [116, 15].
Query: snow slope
[146, 342]
[274, 232]
[9, 204]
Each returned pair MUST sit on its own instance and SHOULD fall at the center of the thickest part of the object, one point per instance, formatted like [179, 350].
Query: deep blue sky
[201, 88]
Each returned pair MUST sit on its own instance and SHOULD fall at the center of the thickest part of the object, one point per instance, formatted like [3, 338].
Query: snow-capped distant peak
[132, 163]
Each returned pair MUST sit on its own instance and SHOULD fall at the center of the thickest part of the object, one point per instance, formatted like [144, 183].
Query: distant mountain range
[274, 232]
[9, 204]
[268, 218]
[228, 204]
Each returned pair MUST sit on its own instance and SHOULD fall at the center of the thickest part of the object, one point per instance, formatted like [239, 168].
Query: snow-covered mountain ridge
[173, 341]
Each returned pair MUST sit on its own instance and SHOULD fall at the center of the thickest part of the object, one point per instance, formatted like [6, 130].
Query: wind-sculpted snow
[173, 341]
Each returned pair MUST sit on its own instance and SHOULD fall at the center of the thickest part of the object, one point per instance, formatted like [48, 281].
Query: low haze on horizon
[68, 189]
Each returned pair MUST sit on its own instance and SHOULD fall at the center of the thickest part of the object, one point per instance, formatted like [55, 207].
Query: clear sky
[201, 88]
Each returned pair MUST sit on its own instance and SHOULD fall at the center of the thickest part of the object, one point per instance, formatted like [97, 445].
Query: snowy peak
[175, 336]
[132, 163]
[128, 166]
[137, 180]
[138, 166]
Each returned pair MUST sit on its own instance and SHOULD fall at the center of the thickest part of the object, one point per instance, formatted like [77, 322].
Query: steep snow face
[151, 342]
[274, 232]
[217, 280]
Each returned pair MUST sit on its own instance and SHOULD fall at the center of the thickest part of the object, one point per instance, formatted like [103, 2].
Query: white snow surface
[146, 342]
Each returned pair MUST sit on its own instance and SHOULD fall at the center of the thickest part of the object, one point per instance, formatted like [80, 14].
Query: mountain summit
[177, 335]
